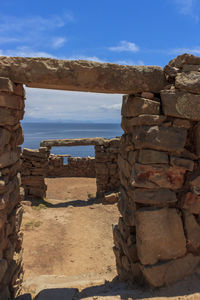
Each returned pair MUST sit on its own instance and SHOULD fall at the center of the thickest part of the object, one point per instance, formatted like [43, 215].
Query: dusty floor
[69, 234]
[68, 244]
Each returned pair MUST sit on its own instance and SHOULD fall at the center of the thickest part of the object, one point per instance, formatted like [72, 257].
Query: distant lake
[34, 133]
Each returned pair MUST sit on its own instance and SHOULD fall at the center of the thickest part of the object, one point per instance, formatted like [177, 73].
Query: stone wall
[75, 167]
[157, 238]
[11, 137]
[107, 175]
[33, 172]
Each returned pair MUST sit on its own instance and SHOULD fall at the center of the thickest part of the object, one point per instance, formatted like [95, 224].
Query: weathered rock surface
[159, 197]
[148, 120]
[155, 138]
[192, 229]
[181, 104]
[82, 75]
[171, 271]
[191, 203]
[157, 176]
[147, 156]
[185, 59]
[160, 235]
[133, 106]
[189, 82]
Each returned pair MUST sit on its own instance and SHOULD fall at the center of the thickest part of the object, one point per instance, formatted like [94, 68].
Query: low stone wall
[107, 175]
[158, 236]
[76, 167]
[33, 172]
[11, 136]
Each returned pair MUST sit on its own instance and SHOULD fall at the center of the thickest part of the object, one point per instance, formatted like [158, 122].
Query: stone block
[157, 176]
[190, 68]
[110, 198]
[159, 138]
[192, 230]
[4, 137]
[134, 106]
[197, 139]
[181, 123]
[184, 59]
[10, 116]
[186, 164]
[189, 82]
[6, 85]
[170, 272]
[3, 268]
[191, 202]
[147, 95]
[9, 158]
[147, 156]
[124, 166]
[181, 104]
[142, 120]
[11, 101]
[160, 235]
[160, 197]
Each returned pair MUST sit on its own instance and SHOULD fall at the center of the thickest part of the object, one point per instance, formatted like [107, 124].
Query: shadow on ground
[187, 289]
[42, 203]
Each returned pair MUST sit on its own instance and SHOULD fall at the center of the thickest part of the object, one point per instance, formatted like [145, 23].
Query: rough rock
[82, 75]
[181, 104]
[172, 271]
[184, 59]
[147, 95]
[133, 106]
[110, 198]
[148, 120]
[160, 235]
[159, 138]
[159, 197]
[191, 202]
[147, 156]
[11, 101]
[197, 139]
[186, 164]
[157, 176]
[192, 230]
[189, 82]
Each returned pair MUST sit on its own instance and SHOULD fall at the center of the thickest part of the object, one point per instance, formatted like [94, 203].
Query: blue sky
[126, 32]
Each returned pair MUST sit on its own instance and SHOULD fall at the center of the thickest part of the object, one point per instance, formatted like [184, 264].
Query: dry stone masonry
[11, 137]
[157, 238]
[33, 172]
[107, 174]
[75, 167]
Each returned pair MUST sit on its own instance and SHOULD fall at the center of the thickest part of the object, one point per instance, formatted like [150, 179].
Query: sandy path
[71, 237]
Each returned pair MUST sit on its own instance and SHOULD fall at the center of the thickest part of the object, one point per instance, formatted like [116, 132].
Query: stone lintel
[80, 75]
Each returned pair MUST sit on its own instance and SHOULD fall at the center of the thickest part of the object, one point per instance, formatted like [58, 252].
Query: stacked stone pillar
[11, 137]
[34, 170]
[107, 175]
[157, 238]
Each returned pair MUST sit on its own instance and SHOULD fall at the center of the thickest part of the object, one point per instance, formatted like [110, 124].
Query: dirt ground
[69, 234]
[68, 244]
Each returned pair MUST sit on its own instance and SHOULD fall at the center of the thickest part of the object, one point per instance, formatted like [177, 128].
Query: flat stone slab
[159, 235]
[181, 104]
[80, 75]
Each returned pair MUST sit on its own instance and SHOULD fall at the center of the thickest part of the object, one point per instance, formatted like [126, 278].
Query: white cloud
[130, 62]
[188, 8]
[35, 31]
[5, 40]
[84, 57]
[125, 46]
[72, 106]
[194, 50]
[58, 42]
[24, 52]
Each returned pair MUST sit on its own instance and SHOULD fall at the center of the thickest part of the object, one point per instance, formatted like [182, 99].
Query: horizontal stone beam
[75, 142]
[80, 75]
